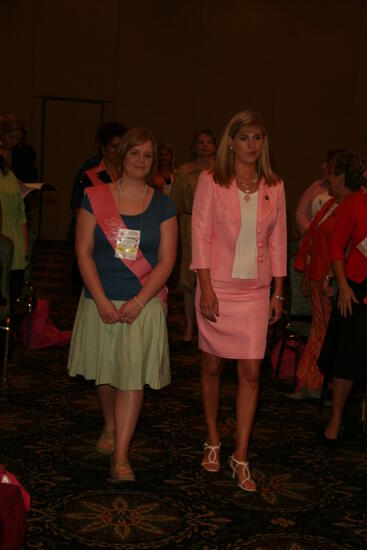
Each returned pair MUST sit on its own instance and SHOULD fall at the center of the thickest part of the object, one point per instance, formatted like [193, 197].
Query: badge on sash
[127, 244]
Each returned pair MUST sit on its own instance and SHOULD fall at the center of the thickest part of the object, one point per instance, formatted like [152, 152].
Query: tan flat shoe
[106, 443]
[121, 471]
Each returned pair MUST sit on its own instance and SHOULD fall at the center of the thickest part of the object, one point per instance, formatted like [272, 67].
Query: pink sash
[110, 221]
[92, 173]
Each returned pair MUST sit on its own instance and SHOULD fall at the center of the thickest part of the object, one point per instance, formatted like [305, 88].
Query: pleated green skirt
[124, 356]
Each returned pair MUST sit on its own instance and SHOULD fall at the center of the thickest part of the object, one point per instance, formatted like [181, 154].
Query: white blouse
[245, 260]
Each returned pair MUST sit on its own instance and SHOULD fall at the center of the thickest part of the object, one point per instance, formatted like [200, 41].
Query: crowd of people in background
[231, 238]
[17, 162]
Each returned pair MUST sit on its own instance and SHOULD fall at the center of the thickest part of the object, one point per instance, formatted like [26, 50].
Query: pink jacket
[216, 222]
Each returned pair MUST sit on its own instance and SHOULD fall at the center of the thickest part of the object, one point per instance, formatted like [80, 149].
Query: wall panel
[237, 60]
[314, 98]
[75, 48]
[178, 66]
[156, 69]
[69, 140]
[358, 137]
[16, 18]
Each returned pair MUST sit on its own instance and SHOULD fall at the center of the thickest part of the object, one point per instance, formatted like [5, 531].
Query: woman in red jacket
[344, 353]
[313, 259]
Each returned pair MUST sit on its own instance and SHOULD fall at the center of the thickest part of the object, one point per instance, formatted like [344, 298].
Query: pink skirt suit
[241, 328]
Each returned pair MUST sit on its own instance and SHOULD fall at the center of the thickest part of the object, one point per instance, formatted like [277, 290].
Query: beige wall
[178, 66]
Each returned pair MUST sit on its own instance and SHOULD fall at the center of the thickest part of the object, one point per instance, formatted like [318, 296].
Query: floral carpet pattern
[307, 498]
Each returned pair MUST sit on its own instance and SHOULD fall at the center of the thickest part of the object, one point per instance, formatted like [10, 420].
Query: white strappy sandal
[247, 483]
[211, 463]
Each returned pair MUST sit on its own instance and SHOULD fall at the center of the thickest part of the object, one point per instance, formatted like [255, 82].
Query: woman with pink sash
[126, 243]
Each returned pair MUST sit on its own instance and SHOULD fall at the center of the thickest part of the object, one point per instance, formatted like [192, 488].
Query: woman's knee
[210, 365]
[249, 371]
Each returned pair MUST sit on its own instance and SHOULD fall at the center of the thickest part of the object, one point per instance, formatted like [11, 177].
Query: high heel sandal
[211, 463]
[235, 464]
[106, 443]
[120, 471]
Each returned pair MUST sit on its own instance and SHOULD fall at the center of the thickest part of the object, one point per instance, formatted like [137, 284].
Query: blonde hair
[224, 170]
[132, 138]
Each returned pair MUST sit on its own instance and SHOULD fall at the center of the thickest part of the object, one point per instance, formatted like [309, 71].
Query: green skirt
[124, 356]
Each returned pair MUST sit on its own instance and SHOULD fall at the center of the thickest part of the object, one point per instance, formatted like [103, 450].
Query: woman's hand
[209, 304]
[305, 285]
[129, 311]
[275, 310]
[107, 311]
[327, 290]
[346, 297]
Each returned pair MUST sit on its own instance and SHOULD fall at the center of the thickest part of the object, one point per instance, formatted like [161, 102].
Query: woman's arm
[277, 244]
[208, 299]
[278, 256]
[276, 301]
[202, 235]
[340, 240]
[178, 187]
[346, 295]
[157, 279]
[84, 247]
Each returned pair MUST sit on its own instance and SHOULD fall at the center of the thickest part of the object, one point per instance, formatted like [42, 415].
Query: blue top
[118, 282]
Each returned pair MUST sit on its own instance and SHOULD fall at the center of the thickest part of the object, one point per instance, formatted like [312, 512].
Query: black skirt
[344, 352]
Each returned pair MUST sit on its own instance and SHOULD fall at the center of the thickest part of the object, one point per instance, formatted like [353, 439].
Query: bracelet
[139, 302]
[281, 298]
[327, 277]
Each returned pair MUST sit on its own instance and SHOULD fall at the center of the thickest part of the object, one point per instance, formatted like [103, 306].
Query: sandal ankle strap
[212, 457]
[245, 465]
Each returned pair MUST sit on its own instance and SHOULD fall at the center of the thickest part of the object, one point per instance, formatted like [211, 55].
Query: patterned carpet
[307, 498]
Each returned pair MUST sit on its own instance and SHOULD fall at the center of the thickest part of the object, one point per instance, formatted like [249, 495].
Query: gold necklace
[245, 187]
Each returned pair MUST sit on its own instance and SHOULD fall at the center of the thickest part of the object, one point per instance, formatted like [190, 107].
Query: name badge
[362, 247]
[127, 244]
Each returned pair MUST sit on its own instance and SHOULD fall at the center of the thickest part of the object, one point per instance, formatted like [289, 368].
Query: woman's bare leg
[341, 391]
[211, 368]
[127, 409]
[106, 395]
[247, 396]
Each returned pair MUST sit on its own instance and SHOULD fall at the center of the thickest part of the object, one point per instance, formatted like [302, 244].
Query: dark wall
[178, 66]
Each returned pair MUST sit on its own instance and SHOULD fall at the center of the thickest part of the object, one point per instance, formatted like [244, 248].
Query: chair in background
[297, 318]
[6, 255]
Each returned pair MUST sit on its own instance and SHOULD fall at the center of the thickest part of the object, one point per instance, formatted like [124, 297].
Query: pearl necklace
[137, 198]
[246, 187]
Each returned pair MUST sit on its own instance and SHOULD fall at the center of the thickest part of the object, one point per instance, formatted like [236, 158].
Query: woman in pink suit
[239, 247]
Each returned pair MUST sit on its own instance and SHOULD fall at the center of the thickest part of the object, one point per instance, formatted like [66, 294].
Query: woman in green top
[14, 224]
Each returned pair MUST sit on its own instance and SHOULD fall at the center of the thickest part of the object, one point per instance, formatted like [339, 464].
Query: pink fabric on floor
[287, 366]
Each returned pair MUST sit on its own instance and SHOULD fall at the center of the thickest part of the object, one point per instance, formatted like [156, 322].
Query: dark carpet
[308, 498]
